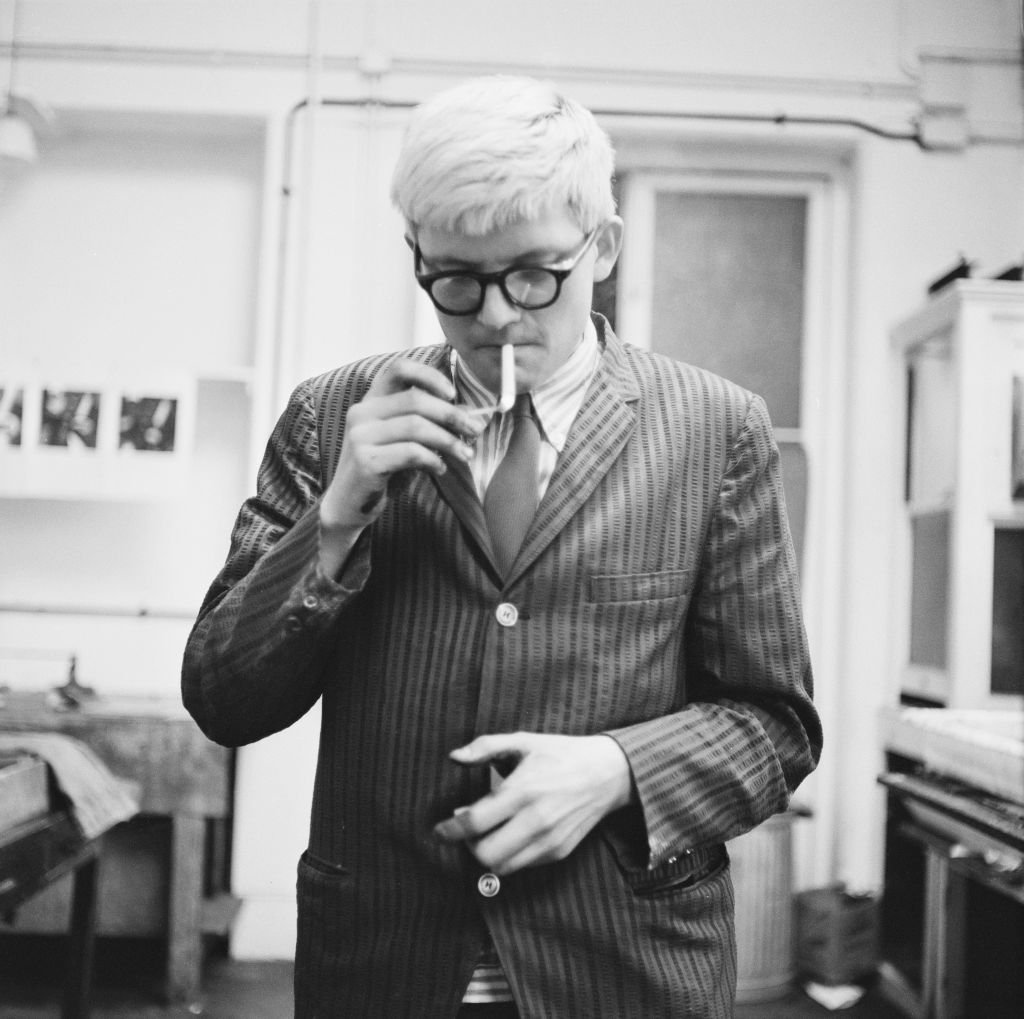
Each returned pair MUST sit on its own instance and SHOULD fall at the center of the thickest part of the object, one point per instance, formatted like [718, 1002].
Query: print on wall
[70, 418]
[82, 439]
[12, 405]
[148, 423]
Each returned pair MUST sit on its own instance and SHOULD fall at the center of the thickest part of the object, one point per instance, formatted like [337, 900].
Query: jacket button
[489, 885]
[507, 614]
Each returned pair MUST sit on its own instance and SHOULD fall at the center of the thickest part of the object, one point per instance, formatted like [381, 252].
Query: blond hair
[498, 150]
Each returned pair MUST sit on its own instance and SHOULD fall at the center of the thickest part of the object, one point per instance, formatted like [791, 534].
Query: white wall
[915, 213]
[320, 276]
[128, 254]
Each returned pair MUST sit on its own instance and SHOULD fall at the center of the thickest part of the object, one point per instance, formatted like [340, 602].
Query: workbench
[165, 873]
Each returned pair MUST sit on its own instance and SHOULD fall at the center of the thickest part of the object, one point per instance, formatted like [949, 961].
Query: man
[530, 755]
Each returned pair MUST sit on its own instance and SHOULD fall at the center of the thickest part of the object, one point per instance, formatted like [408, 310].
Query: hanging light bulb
[17, 137]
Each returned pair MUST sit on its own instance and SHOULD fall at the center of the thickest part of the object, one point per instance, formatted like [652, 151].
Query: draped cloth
[98, 799]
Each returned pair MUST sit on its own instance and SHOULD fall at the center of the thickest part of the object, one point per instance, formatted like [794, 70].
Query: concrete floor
[263, 991]
[127, 981]
[126, 986]
[230, 991]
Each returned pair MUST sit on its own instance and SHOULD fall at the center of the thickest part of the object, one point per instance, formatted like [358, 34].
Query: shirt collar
[557, 400]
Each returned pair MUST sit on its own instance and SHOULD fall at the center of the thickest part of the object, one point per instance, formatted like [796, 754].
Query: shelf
[1009, 519]
[241, 374]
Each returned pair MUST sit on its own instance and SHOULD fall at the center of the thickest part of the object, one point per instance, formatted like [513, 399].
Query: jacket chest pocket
[638, 587]
[634, 634]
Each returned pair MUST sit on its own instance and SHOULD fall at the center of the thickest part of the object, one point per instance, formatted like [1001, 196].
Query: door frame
[822, 176]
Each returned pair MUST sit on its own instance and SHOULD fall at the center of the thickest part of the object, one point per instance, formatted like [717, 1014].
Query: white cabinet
[963, 544]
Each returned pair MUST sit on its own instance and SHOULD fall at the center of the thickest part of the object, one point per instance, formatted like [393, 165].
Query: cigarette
[508, 378]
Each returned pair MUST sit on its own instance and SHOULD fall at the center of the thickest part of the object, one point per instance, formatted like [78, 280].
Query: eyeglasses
[461, 292]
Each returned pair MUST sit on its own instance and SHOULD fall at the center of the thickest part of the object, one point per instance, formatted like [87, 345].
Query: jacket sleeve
[255, 659]
[749, 733]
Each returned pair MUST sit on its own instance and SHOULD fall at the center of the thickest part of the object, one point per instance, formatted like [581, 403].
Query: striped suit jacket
[654, 599]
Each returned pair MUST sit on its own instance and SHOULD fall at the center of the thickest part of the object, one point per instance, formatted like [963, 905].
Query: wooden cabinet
[964, 535]
[165, 873]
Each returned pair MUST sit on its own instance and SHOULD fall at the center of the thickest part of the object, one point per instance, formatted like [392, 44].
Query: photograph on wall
[148, 423]
[12, 414]
[71, 438]
[70, 418]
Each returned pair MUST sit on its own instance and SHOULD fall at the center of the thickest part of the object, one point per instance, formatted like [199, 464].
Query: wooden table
[35, 854]
[182, 777]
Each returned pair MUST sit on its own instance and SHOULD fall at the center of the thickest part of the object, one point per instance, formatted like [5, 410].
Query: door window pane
[728, 290]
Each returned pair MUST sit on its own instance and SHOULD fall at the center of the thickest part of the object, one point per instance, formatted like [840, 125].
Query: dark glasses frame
[559, 272]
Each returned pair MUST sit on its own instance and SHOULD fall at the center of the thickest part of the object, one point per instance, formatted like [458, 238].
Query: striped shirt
[556, 402]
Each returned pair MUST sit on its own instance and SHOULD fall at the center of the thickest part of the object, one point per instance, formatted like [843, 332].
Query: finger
[407, 374]
[490, 812]
[537, 832]
[473, 822]
[457, 828]
[362, 485]
[487, 748]
[525, 840]
[381, 462]
[509, 848]
[416, 429]
[456, 419]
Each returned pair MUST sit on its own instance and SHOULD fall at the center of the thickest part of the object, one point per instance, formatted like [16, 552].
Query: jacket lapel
[601, 429]
[457, 488]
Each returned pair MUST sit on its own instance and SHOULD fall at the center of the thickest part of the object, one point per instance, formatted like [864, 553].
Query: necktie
[511, 497]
